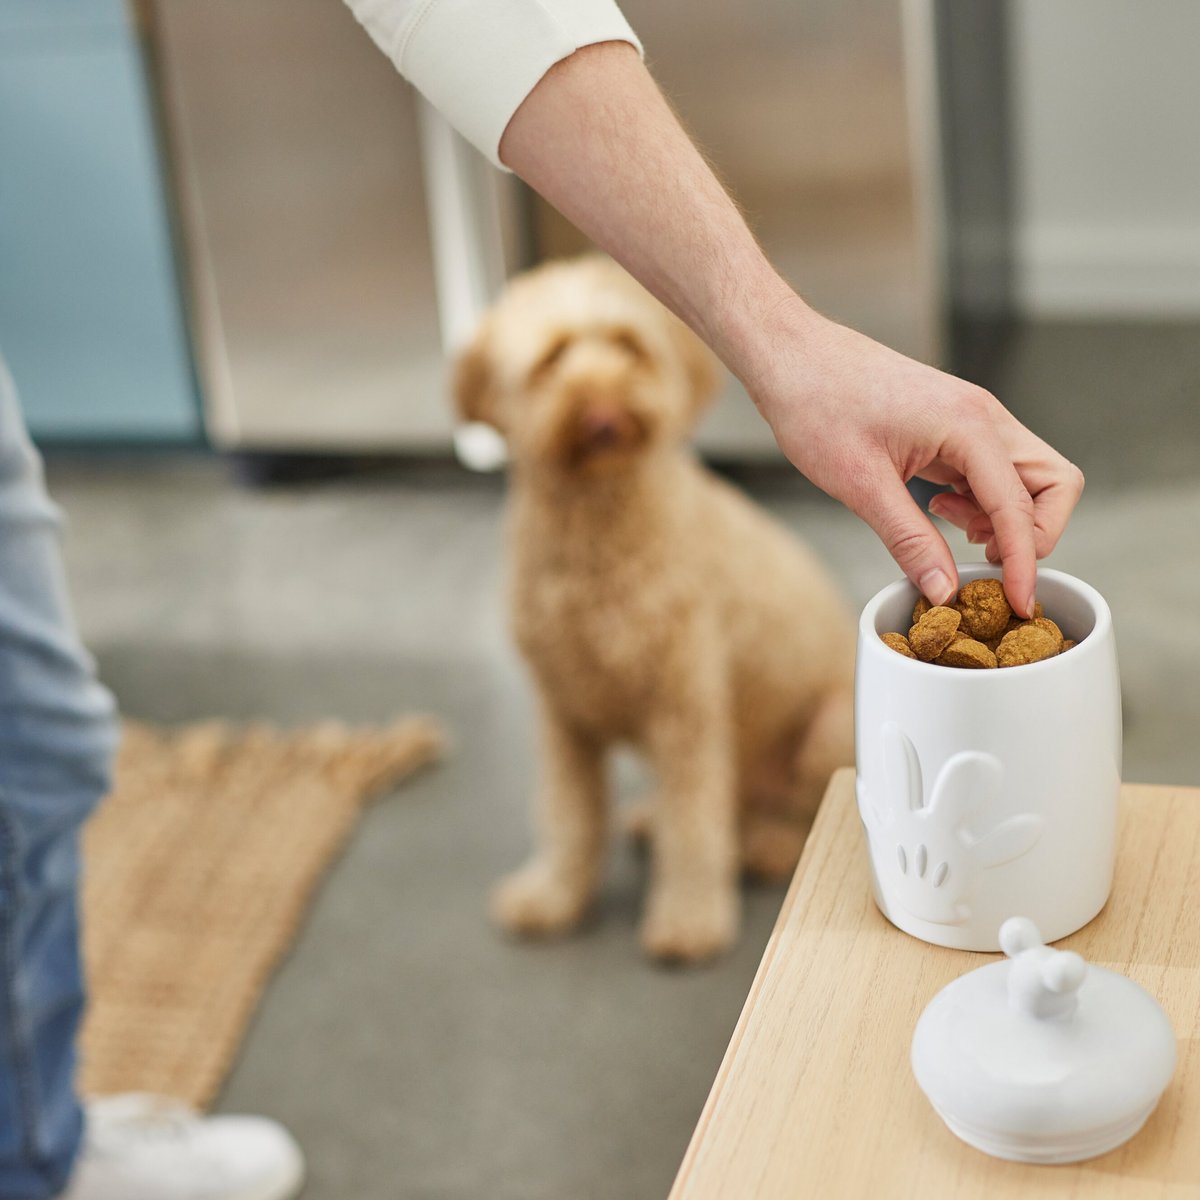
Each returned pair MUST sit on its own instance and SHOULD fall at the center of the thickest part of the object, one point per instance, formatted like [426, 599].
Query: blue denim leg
[57, 735]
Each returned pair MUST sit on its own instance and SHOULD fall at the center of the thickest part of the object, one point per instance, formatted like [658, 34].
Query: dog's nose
[606, 427]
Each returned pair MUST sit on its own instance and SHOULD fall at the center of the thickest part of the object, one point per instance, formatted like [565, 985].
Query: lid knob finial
[1042, 981]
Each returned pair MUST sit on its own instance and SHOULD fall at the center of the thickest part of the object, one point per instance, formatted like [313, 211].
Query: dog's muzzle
[601, 429]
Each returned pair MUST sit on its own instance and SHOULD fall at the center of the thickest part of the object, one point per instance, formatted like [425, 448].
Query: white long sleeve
[476, 60]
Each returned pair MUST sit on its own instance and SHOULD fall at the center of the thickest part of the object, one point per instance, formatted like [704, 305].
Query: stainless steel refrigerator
[304, 190]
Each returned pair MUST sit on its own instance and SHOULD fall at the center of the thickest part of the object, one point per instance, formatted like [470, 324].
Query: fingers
[979, 531]
[910, 537]
[960, 511]
[1053, 506]
[1004, 500]
[963, 513]
[1054, 483]
[1053, 503]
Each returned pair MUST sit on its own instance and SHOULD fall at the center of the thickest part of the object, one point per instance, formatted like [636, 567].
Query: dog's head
[583, 370]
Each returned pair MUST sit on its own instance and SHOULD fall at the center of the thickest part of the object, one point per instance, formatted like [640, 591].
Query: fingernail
[1029, 608]
[935, 586]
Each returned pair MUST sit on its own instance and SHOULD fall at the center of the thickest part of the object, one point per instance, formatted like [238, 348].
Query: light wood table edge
[824, 814]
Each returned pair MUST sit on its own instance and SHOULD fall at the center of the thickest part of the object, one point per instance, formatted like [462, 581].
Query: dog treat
[1052, 629]
[1029, 644]
[898, 642]
[966, 652]
[977, 629]
[933, 632]
[984, 608]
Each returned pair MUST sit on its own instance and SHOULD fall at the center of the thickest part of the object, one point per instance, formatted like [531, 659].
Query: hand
[860, 420]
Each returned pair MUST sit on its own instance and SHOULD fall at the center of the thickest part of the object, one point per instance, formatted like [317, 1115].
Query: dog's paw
[690, 926]
[536, 901]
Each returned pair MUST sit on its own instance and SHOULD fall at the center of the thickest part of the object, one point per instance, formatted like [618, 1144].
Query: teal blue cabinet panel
[91, 319]
[53, 17]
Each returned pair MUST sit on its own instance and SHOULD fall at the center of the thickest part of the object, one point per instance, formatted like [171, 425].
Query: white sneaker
[139, 1147]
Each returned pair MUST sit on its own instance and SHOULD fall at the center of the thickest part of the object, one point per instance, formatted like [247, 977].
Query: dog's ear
[475, 383]
[699, 363]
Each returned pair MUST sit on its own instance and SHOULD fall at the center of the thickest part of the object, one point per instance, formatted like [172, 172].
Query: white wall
[1107, 133]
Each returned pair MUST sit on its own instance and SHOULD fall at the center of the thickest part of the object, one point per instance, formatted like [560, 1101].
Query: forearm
[597, 139]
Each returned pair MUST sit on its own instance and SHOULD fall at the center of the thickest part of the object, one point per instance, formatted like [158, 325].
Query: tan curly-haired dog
[657, 607]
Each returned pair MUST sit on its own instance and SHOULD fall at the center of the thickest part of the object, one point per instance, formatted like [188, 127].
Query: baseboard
[1108, 272]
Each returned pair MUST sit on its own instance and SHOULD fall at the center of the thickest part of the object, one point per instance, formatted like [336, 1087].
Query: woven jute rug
[198, 869]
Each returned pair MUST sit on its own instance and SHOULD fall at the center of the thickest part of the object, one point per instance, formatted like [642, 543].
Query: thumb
[910, 537]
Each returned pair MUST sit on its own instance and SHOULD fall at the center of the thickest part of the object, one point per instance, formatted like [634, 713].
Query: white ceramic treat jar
[990, 792]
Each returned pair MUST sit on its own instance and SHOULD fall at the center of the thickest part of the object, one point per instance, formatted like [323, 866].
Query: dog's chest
[595, 641]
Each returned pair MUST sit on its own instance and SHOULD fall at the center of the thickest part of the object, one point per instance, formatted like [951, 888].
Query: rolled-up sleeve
[476, 60]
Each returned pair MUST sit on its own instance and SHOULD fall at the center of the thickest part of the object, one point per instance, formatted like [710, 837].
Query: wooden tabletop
[816, 1097]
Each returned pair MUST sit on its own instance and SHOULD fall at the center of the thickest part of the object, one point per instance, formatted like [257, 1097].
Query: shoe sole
[286, 1186]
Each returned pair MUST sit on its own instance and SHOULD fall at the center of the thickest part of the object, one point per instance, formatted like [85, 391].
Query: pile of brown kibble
[978, 629]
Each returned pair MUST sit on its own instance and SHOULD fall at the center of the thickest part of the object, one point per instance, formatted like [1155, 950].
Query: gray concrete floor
[415, 1052]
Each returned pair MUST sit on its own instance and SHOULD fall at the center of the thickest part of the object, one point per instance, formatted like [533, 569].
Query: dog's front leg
[693, 906]
[550, 893]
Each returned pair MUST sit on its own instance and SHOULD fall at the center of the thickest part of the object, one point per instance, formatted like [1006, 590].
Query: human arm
[596, 138]
[554, 90]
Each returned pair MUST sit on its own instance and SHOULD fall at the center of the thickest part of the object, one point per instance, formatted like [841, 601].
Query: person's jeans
[57, 733]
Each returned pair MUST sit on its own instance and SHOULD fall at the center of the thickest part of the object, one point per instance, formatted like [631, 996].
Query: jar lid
[1043, 1058]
